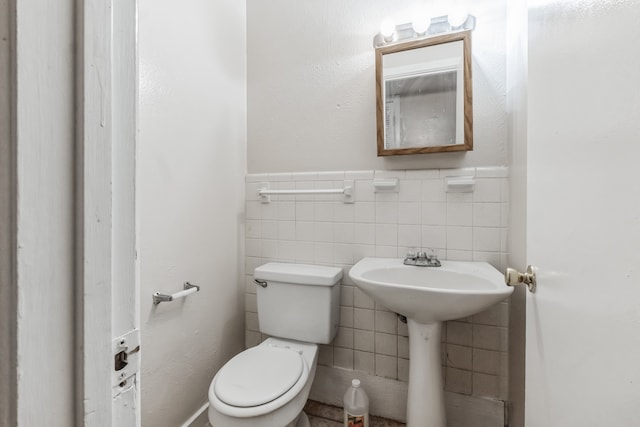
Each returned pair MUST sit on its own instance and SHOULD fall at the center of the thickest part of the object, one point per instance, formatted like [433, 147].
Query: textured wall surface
[191, 167]
[323, 230]
[311, 84]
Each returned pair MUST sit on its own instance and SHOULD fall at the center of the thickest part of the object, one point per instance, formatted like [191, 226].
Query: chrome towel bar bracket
[188, 290]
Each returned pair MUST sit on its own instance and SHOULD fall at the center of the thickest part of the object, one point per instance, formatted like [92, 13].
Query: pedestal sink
[427, 296]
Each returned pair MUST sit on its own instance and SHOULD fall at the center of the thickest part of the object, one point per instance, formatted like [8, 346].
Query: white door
[109, 388]
[583, 214]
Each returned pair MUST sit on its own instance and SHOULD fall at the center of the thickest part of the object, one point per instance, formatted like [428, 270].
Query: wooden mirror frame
[467, 145]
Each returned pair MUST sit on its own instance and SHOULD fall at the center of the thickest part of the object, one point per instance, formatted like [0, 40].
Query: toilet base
[301, 421]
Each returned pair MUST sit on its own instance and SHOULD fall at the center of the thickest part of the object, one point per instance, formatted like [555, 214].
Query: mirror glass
[424, 102]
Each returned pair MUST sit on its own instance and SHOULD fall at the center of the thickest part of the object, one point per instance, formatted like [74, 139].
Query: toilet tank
[300, 302]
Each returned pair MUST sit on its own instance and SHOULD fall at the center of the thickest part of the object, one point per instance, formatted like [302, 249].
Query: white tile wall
[324, 230]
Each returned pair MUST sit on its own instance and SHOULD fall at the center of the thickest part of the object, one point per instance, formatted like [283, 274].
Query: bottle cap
[355, 383]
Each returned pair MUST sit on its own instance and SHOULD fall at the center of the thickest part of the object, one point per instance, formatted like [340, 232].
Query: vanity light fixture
[390, 33]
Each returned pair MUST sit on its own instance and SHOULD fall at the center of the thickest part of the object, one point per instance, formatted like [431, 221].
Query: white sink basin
[427, 296]
[431, 294]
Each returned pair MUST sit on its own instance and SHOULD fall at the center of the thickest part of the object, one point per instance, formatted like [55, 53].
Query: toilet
[268, 385]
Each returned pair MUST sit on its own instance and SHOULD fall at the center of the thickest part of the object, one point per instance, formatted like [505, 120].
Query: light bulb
[387, 29]
[420, 25]
[457, 17]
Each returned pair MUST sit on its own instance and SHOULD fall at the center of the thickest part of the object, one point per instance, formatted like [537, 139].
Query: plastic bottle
[356, 406]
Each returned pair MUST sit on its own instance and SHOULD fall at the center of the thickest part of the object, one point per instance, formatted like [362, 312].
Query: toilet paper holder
[188, 289]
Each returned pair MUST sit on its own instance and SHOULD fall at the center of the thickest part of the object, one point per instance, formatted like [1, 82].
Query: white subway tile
[346, 296]
[253, 229]
[330, 176]
[457, 255]
[459, 197]
[325, 355]
[269, 211]
[409, 236]
[459, 356]
[304, 176]
[433, 236]
[386, 366]
[403, 370]
[269, 229]
[487, 239]
[422, 174]
[386, 234]
[458, 381]
[364, 362]
[363, 340]
[323, 231]
[444, 173]
[364, 212]
[364, 191]
[486, 361]
[367, 174]
[433, 190]
[410, 190]
[286, 211]
[253, 247]
[386, 344]
[305, 251]
[386, 213]
[386, 251]
[363, 251]
[344, 338]
[304, 211]
[270, 249]
[343, 232]
[460, 214]
[363, 318]
[343, 212]
[346, 317]
[342, 253]
[385, 321]
[400, 174]
[286, 250]
[488, 190]
[343, 358]
[323, 253]
[403, 347]
[434, 213]
[362, 300]
[364, 234]
[492, 172]
[279, 177]
[323, 211]
[305, 230]
[256, 177]
[409, 213]
[486, 385]
[460, 238]
[286, 230]
[487, 214]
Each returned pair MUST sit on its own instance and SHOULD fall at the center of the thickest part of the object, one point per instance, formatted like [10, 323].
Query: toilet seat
[258, 376]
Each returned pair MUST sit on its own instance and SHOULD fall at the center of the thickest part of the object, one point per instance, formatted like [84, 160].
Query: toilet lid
[258, 376]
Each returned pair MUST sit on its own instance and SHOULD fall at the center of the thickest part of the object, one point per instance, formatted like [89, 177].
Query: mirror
[424, 95]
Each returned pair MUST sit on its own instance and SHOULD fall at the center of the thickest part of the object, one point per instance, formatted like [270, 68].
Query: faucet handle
[431, 253]
[411, 253]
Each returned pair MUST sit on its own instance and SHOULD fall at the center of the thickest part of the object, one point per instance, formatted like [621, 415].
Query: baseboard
[388, 398]
[199, 418]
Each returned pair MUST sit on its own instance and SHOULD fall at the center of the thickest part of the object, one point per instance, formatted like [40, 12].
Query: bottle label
[355, 420]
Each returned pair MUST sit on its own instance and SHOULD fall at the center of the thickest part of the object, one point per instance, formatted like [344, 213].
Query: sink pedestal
[425, 403]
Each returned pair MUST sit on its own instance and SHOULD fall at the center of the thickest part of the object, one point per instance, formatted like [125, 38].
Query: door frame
[107, 282]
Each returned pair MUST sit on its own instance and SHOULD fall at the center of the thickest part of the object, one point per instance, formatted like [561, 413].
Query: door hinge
[126, 360]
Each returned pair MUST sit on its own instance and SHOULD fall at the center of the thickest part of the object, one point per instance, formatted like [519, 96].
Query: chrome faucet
[422, 258]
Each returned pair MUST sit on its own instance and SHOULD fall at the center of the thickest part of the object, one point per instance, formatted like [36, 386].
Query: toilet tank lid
[303, 274]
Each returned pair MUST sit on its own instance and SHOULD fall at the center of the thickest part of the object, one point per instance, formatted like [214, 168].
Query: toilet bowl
[268, 385]
[264, 386]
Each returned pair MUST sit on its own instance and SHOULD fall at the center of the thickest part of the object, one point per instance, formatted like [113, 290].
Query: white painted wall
[311, 85]
[191, 167]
